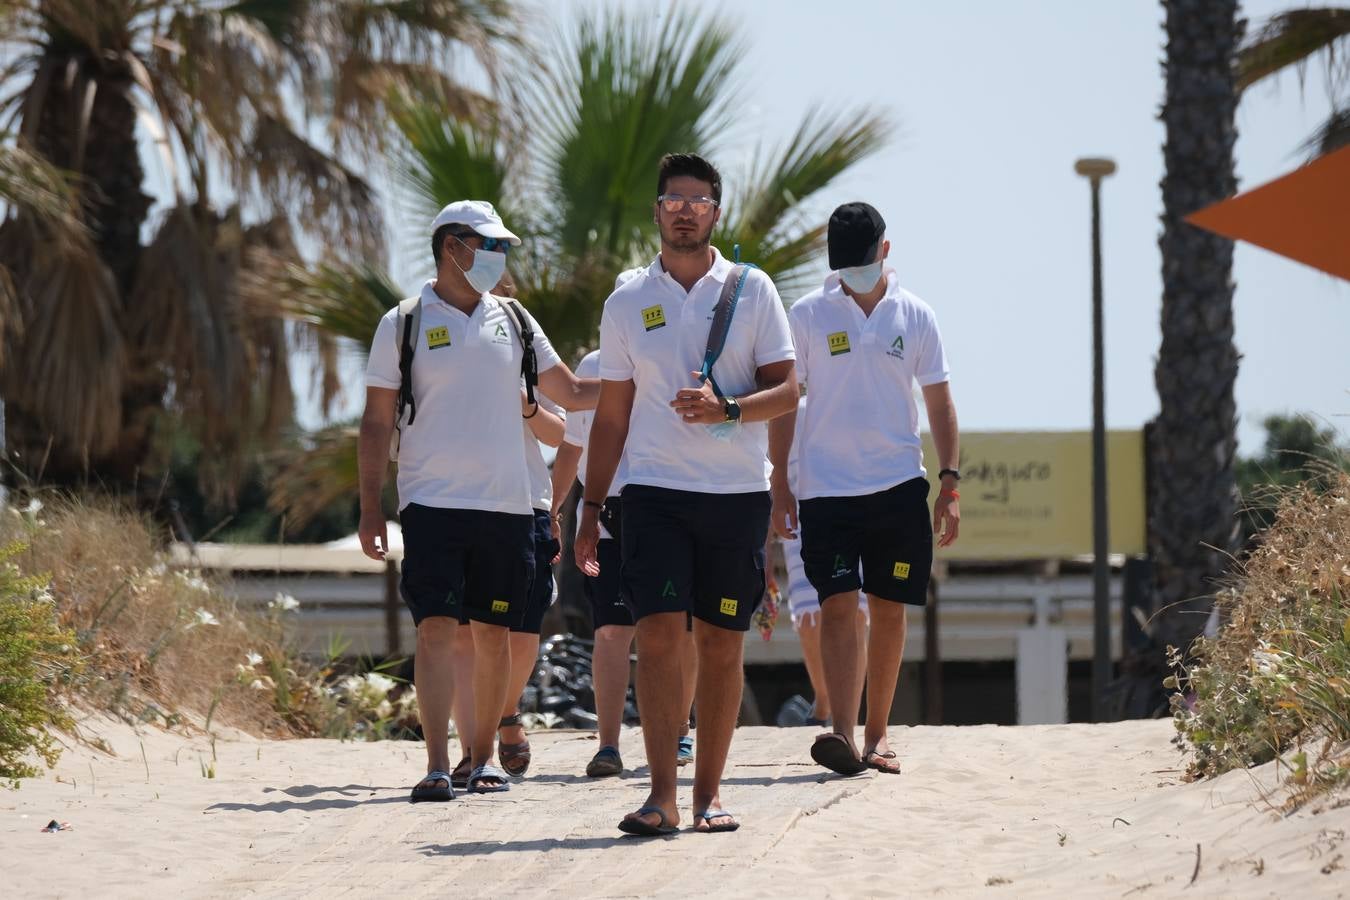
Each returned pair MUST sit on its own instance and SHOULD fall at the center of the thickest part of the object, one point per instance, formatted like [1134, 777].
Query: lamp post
[1095, 170]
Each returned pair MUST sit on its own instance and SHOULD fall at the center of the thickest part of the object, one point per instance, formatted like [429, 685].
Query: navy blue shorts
[605, 591]
[546, 547]
[889, 532]
[466, 564]
[695, 553]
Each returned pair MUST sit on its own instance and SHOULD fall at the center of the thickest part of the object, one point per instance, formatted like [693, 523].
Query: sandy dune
[1053, 811]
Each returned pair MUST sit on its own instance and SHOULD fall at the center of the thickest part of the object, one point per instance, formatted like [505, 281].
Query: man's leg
[524, 655]
[862, 654]
[433, 675]
[690, 649]
[885, 649]
[610, 669]
[660, 673]
[839, 651]
[462, 707]
[808, 634]
[491, 671]
[720, 680]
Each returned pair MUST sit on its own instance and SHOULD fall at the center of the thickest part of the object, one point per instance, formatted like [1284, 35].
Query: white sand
[1053, 811]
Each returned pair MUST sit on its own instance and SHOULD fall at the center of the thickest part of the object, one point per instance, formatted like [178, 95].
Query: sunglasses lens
[700, 207]
[672, 204]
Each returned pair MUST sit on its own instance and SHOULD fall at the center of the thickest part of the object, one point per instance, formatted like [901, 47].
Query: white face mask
[487, 269]
[861, 279]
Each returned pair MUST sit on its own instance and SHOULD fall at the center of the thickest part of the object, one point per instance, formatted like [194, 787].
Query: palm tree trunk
[1193, 522]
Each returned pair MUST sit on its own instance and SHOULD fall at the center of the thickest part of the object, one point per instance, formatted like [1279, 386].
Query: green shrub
[37, 658]
[1276, 677]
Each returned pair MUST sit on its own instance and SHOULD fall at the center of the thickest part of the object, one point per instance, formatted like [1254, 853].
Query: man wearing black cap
[862, 342]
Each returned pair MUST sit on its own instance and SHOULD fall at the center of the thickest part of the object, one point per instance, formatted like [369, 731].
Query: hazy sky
[987, 219]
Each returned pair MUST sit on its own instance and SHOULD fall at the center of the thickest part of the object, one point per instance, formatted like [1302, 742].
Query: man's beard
[686, 243]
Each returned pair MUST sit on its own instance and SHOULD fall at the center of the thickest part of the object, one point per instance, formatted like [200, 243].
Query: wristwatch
[955, 473]
[732, 409]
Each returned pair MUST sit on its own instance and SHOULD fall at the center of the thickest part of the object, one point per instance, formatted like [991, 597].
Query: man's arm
[564, 473]
[777, 395]
[567, 390]
[546, 425]
[609, 433]
[783, 518]
[372, 451]
[942, 425]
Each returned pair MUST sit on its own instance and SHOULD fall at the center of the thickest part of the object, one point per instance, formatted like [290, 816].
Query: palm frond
[346, 301]
[765, 218]
[311, 478]
[1333, 134]
[1289, 39]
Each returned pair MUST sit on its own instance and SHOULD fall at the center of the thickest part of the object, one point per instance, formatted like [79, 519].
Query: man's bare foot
[652, 818]
[710, 817]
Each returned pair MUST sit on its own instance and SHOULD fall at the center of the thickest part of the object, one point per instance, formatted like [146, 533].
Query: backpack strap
[721, 323]
[529, 361]
[410, 314]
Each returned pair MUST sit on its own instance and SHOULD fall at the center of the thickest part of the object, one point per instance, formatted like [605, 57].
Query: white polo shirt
[578, 434]
[465, 449]
[541, 482]
[858, 431]
[655, 333]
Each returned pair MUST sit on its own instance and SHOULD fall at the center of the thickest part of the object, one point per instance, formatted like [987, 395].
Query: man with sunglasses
[463, 479]
[695, 509]
[863, 343]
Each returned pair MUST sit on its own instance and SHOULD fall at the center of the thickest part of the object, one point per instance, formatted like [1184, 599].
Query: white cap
[476, 214]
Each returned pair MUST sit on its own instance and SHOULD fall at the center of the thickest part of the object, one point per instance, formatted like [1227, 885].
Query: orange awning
[1304, 215]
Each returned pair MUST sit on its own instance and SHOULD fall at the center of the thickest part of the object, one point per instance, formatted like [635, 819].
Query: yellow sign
[838, 343]
[1028, 495]
[500, 606]
[901, 571]
[653, 317]
[438, 337]
[728, 606]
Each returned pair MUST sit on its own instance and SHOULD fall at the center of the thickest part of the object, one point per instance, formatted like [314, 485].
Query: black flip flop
[834, 753]
[872, 764]
[635, 826]
[459, 777]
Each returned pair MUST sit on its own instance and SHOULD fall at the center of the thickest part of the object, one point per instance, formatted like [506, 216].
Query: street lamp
[1095, 170]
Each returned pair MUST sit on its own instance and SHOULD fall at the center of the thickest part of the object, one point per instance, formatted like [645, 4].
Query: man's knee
[839, 608]
[490, 637]
[887, 613]
[614, 635]
[437, 632]
[718, 645]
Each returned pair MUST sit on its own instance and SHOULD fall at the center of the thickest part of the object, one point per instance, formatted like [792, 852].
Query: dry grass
[157, 642]
[1275, 681]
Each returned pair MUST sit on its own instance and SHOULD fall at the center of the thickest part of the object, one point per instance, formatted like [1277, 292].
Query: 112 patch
[728, 606]
[838, 343]
[902, 571]
[653, 317]
[438, 337]
[500, 606]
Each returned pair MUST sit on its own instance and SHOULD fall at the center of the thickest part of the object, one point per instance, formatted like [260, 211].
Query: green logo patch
[840, 567]
[501, 330]
[902, 571]
[838, 343]
[500, 606]
[897, 347]
[728, 606]
[438, 337]
[653, 317]
[669, 590]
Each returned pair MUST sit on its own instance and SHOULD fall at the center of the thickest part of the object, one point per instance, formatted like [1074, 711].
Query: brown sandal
[515, 758]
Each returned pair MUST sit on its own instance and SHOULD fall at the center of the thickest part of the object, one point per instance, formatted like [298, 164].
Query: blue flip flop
[635, 825]
[685, 754]
[429, 790]
[709, 814]
[483, 772]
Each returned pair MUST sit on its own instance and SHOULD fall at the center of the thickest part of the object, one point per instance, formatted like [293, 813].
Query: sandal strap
[509, 721]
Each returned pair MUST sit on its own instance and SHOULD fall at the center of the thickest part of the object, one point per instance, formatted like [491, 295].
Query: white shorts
[803, 601]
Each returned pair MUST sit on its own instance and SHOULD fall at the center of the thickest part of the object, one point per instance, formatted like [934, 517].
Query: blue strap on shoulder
[721, 326]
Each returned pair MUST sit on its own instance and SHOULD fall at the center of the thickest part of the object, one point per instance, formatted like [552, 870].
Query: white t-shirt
[858, 432]
[464, 450]
[655, 333]
[541, 482]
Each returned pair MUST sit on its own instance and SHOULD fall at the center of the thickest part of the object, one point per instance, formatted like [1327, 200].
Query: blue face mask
[861, 279]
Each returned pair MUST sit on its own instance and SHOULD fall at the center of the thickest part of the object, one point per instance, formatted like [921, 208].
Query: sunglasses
[490, 244]
[673, 203]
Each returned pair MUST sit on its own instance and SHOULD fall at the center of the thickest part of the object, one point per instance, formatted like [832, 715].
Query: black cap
[855, 234]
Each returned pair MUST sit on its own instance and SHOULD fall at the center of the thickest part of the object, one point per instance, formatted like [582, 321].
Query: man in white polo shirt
[695, 510]
[463, 479]
[862, 343]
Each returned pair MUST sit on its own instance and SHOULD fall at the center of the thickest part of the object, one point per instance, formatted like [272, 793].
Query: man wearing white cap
[445, 369]
[863, 343]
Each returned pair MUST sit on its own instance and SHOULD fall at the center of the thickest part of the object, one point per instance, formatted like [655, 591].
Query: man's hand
[699, 405]
[588, 537]
[946, 518]
[371, 530]
[555, 526]
[783, 515]
[526, 407]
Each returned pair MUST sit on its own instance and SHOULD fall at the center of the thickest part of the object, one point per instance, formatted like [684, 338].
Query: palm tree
[578, 184]
[1289, 40]
[261, 116]
[1193, 523]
